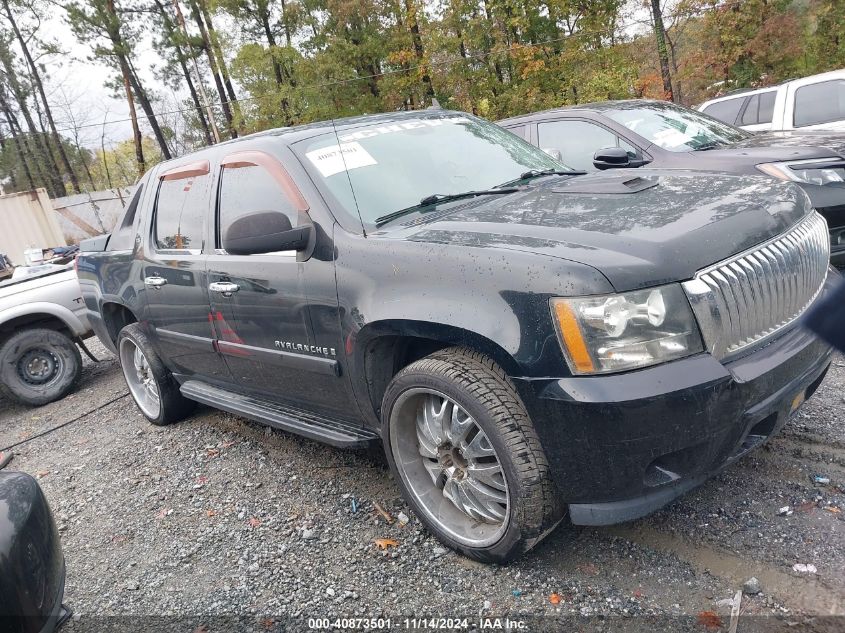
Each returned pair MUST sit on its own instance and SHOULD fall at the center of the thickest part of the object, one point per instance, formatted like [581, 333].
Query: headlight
[816, 171]
[610, 333]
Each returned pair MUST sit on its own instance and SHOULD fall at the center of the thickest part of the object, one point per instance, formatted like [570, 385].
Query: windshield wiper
[706, 146]
[536, 173]
[437, 198]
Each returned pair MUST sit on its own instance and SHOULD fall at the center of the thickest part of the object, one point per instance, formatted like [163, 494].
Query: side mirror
[611, 157]
[265, 232]
[554, 153]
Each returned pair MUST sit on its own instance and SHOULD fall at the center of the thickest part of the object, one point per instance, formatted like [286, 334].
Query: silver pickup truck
[42, 319]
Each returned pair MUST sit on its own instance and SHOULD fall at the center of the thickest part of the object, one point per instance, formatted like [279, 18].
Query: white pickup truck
[42, 320]
[812, 103]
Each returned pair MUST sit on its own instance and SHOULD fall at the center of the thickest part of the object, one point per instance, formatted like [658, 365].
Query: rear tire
[150, 383]
[468, 461]
[38, 366]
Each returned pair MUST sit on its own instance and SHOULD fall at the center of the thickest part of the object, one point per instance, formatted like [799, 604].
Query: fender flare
[77, 327]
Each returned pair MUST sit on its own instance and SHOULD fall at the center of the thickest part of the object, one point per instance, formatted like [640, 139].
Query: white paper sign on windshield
[330, 161]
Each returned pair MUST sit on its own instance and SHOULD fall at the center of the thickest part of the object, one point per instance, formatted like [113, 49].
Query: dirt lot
[217, 516]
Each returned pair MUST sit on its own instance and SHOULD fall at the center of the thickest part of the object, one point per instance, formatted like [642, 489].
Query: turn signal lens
[573, 338]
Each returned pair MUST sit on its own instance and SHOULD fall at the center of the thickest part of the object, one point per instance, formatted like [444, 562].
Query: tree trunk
[221, 60]
[45, 163]
[147, 107]
[170, 33]
[212, 122]
[36, 77]
[419, 51]
[103, 148]
[264, 18]
[16, 139]
[212, 64]
[662, 52]
[285, 23]
[85, 166]
[136, 131]
[12, 180]
[183, 64]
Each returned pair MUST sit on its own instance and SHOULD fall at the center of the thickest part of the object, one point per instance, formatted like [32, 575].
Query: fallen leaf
[807, 506]
[555, 598]
[202, 479]
[253, 522]
[228, 444]
[42, 473]
[638, 593]
[384, 543]
[268, 624]
[210, 513]
[709, 619]
[384, 513]
[833, 509]
[202, 628]
[162, 513]
[212, 452]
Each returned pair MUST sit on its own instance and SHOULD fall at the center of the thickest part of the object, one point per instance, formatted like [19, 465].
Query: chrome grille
[750, 297]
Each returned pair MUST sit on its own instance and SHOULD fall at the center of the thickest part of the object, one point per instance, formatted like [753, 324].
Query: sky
[76, 80]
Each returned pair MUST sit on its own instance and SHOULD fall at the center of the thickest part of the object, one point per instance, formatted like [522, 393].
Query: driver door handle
[226, 288]
[155, 282]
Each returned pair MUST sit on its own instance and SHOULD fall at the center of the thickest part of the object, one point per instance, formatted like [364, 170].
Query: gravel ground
[221, 516]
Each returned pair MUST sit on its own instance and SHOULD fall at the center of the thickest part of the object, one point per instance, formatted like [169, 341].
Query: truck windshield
[393, 165]
[674, 128]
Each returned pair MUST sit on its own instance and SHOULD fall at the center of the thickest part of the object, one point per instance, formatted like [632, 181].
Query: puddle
[805, 594]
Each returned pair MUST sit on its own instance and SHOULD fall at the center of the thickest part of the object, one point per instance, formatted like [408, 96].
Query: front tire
[152, 386]
[38, 366]
[466, 456]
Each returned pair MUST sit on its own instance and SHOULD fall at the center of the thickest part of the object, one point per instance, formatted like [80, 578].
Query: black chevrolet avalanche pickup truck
[526, 341]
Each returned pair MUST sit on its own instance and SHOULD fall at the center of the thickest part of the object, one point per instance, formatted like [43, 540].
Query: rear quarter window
[726, 110]
[123, 236]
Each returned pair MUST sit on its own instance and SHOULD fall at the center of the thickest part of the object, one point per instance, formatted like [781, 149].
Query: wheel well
[116, 317]
[385, 356]
[33, 320]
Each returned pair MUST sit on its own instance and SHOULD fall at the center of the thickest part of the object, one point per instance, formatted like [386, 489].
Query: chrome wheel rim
[448, 464]
[139, 378]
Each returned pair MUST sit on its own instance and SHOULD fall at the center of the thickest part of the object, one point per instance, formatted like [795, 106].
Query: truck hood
[823, 143]
[638, 227]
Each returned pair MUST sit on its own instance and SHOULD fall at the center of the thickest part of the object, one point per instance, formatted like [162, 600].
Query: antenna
[349, 179]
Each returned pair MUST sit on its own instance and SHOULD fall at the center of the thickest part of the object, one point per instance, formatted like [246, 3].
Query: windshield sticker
[671, 137]
[330, 161]
[401, 127]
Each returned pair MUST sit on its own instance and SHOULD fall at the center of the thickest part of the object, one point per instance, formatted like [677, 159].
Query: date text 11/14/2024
[417, 624]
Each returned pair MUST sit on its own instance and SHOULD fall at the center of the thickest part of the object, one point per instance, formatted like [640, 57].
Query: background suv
[811, 103]
[620, 134]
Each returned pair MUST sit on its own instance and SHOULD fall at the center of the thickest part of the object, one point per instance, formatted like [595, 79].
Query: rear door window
[749, 115]
[726, 110]
[578, 141]
[767, 106]
[819, 103]
[181, 207]
[758, 109]
[520, 130]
